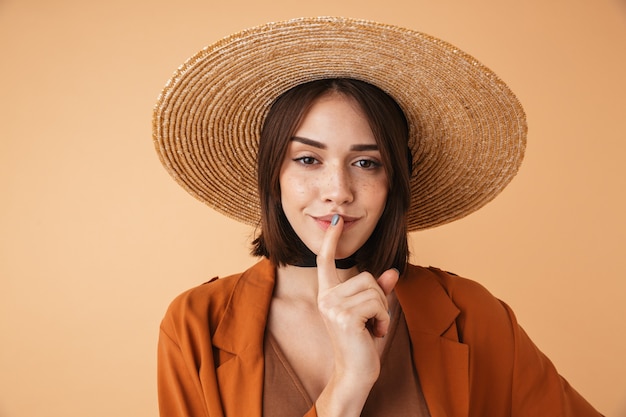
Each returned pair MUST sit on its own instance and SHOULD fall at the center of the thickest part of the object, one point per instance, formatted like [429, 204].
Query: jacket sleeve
[179, 390]
[186, 378]
[538, 389]
[507, 370]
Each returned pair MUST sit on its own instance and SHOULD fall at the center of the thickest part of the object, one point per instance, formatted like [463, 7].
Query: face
[333, 166]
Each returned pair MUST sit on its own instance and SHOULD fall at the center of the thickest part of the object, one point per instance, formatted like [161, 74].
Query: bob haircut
[387, 247]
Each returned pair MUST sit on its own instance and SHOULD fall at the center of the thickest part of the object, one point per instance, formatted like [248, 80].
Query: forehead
[335, 117]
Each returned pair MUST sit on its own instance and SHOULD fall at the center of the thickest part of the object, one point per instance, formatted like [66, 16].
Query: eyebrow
[320, 145]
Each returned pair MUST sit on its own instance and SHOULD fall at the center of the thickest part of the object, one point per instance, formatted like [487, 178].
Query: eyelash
[310, 160]
[372, 164]
[303, 160]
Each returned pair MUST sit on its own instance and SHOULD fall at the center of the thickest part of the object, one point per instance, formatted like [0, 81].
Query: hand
[355, 313]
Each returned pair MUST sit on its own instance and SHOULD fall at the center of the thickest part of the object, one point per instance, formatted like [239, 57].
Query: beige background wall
[96, 239]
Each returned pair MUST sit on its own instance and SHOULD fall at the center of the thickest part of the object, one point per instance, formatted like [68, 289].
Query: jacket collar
[241, 333]
[442, 362]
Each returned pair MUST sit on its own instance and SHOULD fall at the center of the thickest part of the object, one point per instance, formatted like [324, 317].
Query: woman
[360, 133]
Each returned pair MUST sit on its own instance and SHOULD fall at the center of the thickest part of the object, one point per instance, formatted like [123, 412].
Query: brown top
[397, 392]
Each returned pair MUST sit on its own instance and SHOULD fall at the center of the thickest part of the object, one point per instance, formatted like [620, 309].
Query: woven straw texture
[467, 129]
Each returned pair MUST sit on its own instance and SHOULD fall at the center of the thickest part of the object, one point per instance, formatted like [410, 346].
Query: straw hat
[467, 129]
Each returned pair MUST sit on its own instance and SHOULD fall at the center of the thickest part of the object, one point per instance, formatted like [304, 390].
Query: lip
[324, 221]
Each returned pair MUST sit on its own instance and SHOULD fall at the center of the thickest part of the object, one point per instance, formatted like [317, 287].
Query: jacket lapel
[238, 340]
[442, 362]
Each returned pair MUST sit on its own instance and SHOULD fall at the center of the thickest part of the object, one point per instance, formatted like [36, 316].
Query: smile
[324, 221]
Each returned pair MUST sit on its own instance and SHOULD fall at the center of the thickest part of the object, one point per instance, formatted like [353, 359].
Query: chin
[346, 252]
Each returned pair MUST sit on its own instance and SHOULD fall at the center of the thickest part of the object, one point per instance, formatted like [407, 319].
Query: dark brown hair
[387, 246]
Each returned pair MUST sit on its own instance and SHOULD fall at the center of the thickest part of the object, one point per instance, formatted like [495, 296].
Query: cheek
[376, 195]
[382, 203]
[293, 190]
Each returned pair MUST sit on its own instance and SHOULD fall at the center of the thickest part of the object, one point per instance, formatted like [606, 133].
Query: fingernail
[334, 220]
[397, 270]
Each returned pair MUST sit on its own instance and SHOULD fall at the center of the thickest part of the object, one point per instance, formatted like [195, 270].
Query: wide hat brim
[467, 129]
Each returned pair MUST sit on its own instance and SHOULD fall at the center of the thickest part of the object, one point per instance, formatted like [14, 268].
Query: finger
[388, 280]
[326, 269]
[365, 297]
[379, 323]
[346, 300]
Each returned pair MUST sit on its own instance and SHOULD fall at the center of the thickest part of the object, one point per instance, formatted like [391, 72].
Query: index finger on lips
[326, 269]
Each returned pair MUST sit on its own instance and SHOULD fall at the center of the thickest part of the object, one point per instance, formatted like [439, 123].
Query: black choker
[309, 260]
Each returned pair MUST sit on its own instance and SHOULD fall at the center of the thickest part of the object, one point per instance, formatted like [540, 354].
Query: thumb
[388, 280]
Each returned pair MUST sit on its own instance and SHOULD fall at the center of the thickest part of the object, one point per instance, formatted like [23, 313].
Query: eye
[367, 164]
[306, 160]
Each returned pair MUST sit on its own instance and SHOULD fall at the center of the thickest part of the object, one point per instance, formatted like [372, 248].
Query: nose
[336, 186]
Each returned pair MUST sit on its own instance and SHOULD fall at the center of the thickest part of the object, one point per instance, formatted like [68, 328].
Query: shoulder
[464, 311]
[199, 306]
[212, 294]
[461, 290]
[478, 310]
[205, 304]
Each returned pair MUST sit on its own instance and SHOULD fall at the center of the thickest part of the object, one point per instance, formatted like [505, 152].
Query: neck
[309, 260]
[298, 287]
[301, 282]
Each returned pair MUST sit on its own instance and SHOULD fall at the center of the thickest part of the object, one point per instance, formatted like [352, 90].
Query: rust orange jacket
[472, 358]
